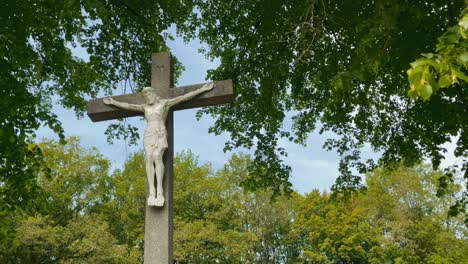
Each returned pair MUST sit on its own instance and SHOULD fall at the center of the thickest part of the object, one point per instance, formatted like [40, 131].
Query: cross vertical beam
[159, 226]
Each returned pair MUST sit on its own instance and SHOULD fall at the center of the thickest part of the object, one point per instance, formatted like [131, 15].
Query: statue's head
[150, 95]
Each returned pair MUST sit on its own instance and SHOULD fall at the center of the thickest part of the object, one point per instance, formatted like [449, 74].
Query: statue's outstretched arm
[126, 106]
[188, 96]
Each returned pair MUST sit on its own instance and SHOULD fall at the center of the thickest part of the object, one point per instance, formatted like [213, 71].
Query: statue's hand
[108, 101]
[208, 87]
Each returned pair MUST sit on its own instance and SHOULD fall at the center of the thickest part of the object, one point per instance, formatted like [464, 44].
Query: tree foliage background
[335, 66]
[87, 214]
[37, 66]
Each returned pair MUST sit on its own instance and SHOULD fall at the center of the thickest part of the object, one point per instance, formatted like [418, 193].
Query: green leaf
[460, 75]
[464, 22]
[445, 80]
[425, 91]
[419, 63]
[413, 93]
[464, 57]
[415, 75]
[428, 55]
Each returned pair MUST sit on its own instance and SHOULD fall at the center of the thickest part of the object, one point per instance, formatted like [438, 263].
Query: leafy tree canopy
[444, 68]
[86, 214]
[335, 66]
[37, 65]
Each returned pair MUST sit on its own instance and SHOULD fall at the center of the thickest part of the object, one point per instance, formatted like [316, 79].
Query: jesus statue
[155, 110]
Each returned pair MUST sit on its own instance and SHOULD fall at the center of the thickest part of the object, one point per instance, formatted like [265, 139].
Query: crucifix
[157, 104]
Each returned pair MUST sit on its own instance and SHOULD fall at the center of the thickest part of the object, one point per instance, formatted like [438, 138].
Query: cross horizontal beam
[221, 93]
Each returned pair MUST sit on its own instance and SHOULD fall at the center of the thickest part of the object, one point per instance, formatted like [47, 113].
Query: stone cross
[159, 220]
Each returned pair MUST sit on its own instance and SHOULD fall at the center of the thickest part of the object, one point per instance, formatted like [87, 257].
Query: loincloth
[155, 137]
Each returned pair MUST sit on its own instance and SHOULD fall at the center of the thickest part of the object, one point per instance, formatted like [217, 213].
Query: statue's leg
[159, 176]
[150, 176]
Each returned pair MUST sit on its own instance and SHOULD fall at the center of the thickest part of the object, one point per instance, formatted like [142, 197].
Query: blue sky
[312, 167]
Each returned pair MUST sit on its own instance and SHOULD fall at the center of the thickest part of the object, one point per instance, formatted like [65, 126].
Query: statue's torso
[156, 114]
[156, 132]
